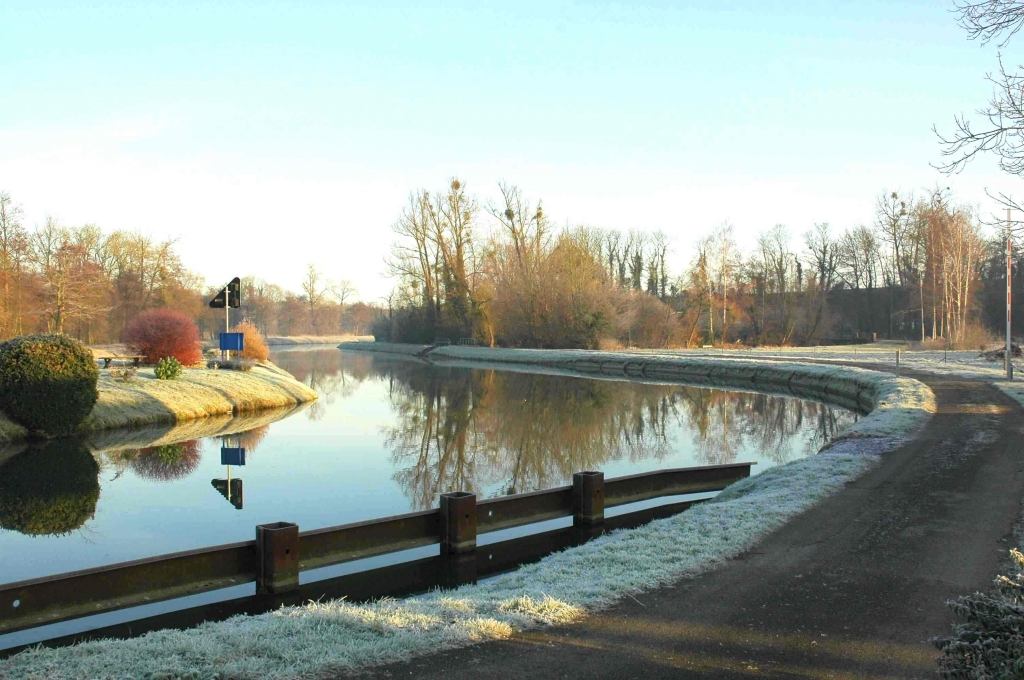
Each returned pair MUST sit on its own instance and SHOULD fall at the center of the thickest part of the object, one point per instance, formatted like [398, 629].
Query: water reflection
[475, 429]
[51, 489]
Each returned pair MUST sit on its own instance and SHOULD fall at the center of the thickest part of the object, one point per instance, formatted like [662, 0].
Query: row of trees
[505, 275]
[523, 282]
[927, 252]
[90, 284]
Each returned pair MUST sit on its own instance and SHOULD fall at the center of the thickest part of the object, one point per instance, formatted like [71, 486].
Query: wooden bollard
[458, 522]
[587, 498]
[277, 552]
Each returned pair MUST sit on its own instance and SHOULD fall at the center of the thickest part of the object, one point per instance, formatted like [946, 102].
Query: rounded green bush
[50, 489]
[47, 382]
[168, 368]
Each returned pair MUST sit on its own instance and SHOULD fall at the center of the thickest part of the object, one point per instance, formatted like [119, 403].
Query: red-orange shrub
[161, 333]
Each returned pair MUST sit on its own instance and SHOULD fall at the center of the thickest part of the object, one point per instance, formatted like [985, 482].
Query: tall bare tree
[314, 288]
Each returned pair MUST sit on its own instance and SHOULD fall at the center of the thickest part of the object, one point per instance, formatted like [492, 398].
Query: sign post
[228, 297]
[1009, 295]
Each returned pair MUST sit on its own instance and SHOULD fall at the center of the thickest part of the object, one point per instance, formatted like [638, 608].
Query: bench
[135, 359]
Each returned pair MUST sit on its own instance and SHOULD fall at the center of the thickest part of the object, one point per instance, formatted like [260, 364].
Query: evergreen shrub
[168, 368]
[47, 382]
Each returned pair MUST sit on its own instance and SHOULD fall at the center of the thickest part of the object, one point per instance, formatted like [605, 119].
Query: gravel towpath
[853, 588]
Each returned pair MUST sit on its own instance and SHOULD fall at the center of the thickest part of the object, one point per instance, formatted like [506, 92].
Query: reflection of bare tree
[330, 372]
[251, 439]
[463, 429]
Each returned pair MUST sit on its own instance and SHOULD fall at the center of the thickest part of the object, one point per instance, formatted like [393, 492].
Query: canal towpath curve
[852, 588]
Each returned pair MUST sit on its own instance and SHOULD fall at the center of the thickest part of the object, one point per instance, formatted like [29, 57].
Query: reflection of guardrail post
[459, 569]
[587, 498]
[277, 552]
[458, 522]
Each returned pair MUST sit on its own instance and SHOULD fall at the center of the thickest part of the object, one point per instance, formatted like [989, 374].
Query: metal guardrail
[280, 551]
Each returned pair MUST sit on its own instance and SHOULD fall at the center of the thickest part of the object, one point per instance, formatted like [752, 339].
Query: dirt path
[853, 588]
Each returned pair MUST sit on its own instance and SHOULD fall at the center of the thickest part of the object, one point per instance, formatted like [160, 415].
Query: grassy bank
[316, 340]
[198, 393]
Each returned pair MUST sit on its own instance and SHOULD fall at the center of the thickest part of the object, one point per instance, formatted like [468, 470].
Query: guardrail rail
[280, 551]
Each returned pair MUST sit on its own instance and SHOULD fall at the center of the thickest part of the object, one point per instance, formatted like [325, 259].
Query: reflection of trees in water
[251, 439]
[167, 462]
[331, 372]
[462, 429]
[723, 423]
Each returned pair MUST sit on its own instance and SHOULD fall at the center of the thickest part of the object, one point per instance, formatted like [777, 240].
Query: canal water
[387, 435]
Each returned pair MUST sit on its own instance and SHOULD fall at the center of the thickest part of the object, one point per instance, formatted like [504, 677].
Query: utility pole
[1010, 270]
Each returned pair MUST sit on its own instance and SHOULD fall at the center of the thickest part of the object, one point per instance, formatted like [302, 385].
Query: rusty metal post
[458, 522]
[587, 498]
[277, 552]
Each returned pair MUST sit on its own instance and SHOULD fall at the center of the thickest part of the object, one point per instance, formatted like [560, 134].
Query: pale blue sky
[296, 131]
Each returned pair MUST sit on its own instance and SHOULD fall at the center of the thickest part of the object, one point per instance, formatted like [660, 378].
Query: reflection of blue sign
[232, 342]
[232, 456]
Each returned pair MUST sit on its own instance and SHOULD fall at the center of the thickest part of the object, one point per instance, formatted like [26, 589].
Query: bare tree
[612, 241]
[341, 291]
[824, 255]
[13, 259]
[1002, 129]
[988, 19]
[314, 289]
[73, 285]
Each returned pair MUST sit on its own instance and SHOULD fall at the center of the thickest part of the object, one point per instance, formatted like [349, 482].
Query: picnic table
[136, 359]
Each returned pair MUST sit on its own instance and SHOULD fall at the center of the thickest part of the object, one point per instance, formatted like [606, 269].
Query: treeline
[917, 272]
[505, 275]
[90, 284]
[524, 283]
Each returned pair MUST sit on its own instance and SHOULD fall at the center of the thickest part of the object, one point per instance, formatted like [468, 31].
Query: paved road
[852, 588]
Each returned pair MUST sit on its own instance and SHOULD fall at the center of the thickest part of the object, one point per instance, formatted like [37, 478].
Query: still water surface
[387, 435]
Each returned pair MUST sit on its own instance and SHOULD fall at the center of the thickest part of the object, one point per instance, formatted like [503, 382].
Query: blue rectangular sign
[232, 342]
[230, 456]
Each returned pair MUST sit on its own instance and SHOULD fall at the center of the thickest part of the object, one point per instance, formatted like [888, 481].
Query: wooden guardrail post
[458, 522]
[277, 552]
[587, 498]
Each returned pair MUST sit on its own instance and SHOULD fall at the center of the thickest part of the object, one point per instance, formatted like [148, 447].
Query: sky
[268, 136]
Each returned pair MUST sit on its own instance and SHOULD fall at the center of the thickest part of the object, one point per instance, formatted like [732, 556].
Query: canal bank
[197, 393]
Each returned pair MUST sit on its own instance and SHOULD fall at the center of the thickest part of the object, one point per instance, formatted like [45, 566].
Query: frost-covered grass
[291, 340]
[198, 393]
[322, 637]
